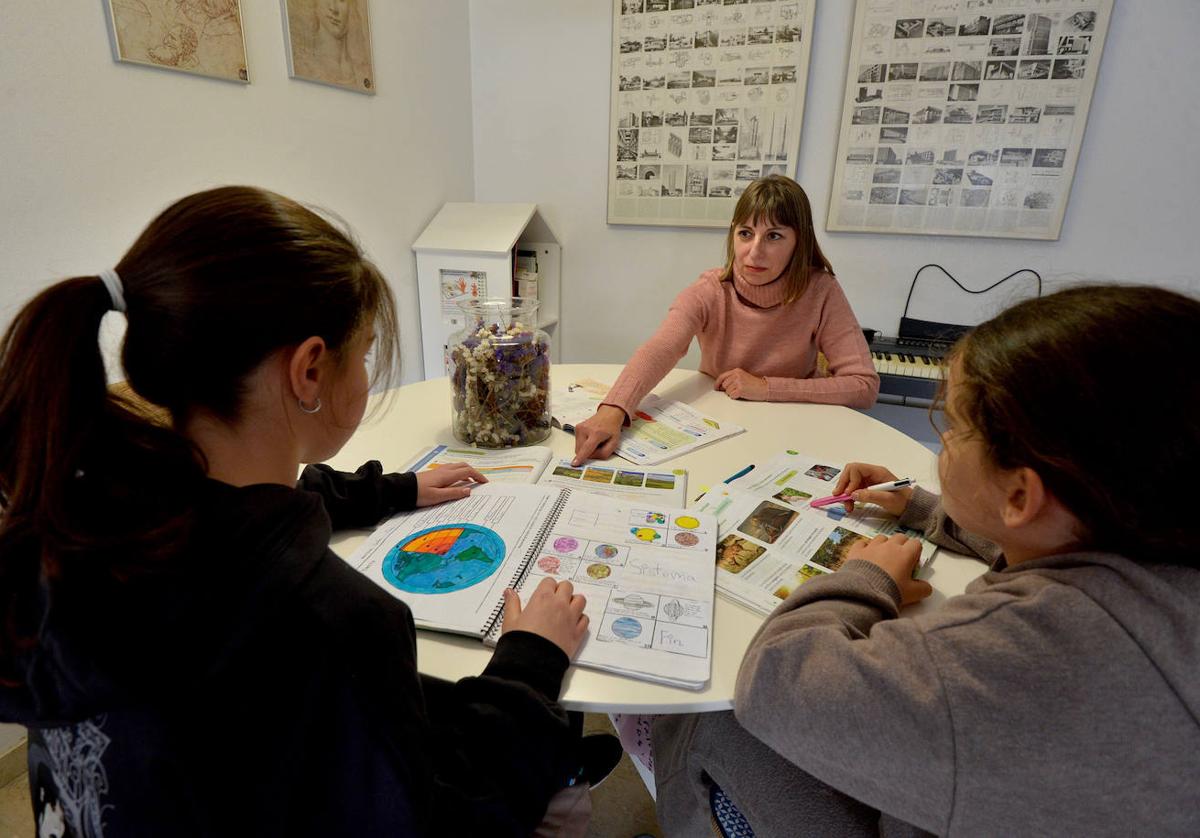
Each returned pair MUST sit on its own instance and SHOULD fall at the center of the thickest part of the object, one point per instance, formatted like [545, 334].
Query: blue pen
[729, 479]
[738, 474]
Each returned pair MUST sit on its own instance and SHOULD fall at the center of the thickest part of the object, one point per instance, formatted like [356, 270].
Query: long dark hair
[216, 283]
[780, 200]
[1093, 389]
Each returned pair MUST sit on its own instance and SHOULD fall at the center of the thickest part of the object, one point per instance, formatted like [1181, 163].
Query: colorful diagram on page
[444, 559]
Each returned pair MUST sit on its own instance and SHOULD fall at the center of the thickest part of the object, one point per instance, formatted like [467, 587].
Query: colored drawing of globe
[626, 627]
[444, 559]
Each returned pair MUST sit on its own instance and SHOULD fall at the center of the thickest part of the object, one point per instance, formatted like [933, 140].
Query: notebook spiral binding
[492, 626]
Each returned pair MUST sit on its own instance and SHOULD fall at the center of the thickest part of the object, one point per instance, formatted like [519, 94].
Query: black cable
[965, 288]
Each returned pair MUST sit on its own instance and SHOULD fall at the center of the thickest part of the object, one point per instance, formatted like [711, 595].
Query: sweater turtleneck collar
[763, 296]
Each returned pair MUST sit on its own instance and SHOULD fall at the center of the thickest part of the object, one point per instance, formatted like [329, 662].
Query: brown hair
[1089, 388]
[214, 285]
[780, 200]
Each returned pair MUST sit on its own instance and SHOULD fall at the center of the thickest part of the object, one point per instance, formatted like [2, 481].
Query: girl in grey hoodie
[1061, 693]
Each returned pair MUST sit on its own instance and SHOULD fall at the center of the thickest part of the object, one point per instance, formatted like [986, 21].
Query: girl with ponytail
[189, 656]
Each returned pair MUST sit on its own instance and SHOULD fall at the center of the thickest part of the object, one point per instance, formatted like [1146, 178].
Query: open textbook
[536, 464]
[659, 429]
[647, 572]
[770, 539]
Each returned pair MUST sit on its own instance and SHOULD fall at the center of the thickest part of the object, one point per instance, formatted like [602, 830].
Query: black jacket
[256, 684]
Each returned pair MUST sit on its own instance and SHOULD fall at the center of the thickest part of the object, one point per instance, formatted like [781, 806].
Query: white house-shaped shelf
[472, 245]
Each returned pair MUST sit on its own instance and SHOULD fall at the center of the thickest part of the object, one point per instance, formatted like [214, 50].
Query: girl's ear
[306, 368]
[1025, 497]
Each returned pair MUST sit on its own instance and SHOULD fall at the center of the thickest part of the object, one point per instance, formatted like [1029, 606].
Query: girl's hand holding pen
[855, 479]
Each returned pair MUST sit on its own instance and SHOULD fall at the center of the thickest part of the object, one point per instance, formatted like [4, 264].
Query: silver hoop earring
[309, 410]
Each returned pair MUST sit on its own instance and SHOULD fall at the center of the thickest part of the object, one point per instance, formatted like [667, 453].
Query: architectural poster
[965, 117]
[192, 36]
[707, 95]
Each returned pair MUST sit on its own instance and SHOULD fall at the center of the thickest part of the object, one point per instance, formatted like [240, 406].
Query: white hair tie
[113, 283]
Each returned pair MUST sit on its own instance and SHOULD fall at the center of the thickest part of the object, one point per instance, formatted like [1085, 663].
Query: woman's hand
[855, 479]
[598, 437]
[554, 612]
[739, 384]
[441, 484]
[898, 556]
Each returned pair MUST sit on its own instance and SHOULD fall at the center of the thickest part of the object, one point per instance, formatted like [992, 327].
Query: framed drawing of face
[329, 42]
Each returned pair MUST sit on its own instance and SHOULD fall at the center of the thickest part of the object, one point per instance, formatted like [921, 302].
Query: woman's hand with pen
[855, 479]
[599, 436]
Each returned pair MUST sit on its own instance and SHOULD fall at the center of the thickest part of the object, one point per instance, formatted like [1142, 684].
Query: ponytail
[73, 455]
[52, 397]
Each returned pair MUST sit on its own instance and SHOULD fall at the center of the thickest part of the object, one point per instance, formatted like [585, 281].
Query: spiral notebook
[648, 573]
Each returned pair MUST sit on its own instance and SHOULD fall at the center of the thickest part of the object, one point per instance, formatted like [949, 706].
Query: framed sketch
[329, 41]
[193, 36]
[963, 118]
[707, 95]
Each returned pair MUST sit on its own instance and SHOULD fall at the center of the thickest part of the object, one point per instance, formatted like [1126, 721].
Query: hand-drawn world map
[444, 559]
[194, 36]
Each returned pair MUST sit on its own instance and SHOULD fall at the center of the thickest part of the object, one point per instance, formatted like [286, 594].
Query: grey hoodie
[1059, 696]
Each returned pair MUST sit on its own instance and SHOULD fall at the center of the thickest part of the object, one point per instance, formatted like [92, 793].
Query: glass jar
[499, 367]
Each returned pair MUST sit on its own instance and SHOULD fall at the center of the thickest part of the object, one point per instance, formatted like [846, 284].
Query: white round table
[419, 416]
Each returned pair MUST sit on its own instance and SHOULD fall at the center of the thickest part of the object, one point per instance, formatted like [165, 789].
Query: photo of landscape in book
[768, 521]
[832, 553]
[735, 554]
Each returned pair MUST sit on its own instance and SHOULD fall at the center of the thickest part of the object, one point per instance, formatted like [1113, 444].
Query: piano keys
[909, 368]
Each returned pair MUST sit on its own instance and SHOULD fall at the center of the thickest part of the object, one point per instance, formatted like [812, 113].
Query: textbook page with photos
[648, 575]
[632, 485]
[659, 430]
[771, 541]
[647, 572]
[536, 464]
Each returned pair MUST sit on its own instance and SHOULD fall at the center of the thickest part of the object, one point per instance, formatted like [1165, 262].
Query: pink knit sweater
[747, 326]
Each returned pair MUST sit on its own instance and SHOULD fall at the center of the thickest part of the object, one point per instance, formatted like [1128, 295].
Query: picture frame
[705, 97]
[200, 37]
[963, 119]
[329, 42]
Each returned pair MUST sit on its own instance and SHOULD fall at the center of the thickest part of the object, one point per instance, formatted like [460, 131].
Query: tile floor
[16, 814]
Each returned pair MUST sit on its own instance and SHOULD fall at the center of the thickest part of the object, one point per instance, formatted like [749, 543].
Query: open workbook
[659, 429]
[770, 539]
[536, 464]
[647, 572]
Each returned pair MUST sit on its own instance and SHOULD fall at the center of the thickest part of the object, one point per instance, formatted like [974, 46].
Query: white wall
[540, 81]
[91, 149]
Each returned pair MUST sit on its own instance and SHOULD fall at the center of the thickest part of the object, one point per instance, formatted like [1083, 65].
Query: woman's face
[334, 16]
[762, 250]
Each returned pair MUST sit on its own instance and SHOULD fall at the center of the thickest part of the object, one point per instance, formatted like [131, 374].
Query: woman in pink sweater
[760, 321]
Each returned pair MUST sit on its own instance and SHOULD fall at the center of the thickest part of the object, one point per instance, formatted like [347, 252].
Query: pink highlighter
[890, 486]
